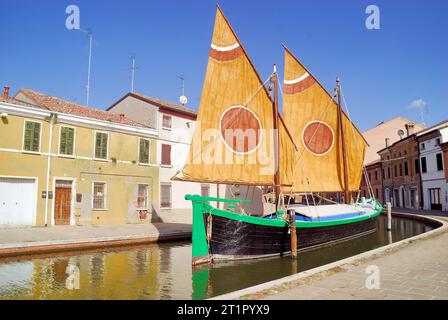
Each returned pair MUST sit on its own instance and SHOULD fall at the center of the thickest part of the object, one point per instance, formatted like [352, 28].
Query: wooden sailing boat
[241, 139]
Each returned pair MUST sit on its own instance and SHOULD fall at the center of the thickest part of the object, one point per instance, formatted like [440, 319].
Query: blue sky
[382, 71]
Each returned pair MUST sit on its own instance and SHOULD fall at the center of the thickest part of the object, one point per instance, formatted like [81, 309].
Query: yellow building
[65, 164]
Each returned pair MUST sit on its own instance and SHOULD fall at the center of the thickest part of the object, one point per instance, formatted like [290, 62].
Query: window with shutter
[66, 141]
[101, 145]
[424, 169]
[31, 136]
[144, 151]
[166, 154]
[165, 195]
[439, 160]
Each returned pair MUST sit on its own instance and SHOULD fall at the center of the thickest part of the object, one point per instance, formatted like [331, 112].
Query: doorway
[62, 202]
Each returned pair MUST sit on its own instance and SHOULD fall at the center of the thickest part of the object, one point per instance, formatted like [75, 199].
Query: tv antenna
[183, 99]
[89, 34]
[133, 68]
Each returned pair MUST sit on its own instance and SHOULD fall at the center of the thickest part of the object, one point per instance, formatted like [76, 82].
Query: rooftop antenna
[133, 68]
[183, 99]
[89, 34]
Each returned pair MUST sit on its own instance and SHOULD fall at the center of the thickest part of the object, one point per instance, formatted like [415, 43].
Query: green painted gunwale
[278, 222]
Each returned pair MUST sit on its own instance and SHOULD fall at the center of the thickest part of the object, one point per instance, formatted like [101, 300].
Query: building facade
[175, 126]
[65, 164]
[401, 171]
[374, 185]
[433, 166]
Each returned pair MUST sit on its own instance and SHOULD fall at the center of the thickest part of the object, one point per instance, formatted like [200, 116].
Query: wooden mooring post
[389, 216]
[292, 228]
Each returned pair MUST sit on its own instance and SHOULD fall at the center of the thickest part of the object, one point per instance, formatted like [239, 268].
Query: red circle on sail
[318, 137]
[240, 129]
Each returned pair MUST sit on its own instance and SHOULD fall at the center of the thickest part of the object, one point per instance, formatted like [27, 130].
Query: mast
[276, 138]
[344, 151]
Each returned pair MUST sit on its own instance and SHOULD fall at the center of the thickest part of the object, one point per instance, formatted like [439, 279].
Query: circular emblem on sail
[318, 137]
[240, 130]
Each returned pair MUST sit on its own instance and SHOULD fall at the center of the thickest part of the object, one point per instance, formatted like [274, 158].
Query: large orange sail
[233, 141]
[312, 116]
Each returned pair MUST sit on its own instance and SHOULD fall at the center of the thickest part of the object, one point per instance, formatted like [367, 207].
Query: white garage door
[17, 201]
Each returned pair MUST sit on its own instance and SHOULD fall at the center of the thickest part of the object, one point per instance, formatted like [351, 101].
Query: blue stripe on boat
[300, 217]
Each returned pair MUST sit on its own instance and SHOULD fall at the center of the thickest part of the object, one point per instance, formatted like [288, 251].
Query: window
[376, 175]
[66, 140]
[101, 145]
[142, 196]
[165, 195]
[99, 195]
[370, 178]
[401, 170]
[383, 174]
[31, 136]
[166, 154]
[388, 172]
[205, 190]
[422, 146]
[166, 122]
[406, 169]
[143, 151]
[424, 170]
[376, 193]
[439, 162]
[437, 141]
[395, 171]
[417, 166]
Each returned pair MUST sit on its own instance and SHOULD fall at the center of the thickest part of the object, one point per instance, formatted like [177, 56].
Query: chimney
[387, 142]
[409, 128]
[122, 117]
[6, 93]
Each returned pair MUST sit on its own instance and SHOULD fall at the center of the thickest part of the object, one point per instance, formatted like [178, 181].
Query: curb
[19, 249]
[362, 257]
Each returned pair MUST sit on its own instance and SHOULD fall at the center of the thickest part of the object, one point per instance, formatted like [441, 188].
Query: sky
[399, 69]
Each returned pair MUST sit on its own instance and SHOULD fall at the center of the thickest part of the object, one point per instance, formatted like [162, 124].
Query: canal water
[163, 271]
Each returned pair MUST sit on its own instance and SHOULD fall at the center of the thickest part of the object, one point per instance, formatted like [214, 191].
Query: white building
[175, 125]
[434, 186]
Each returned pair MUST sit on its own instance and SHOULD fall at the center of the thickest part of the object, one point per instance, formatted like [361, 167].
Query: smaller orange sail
[312, 116]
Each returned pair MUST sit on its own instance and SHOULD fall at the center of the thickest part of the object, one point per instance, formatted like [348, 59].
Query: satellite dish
[183, 100]
[400, 133]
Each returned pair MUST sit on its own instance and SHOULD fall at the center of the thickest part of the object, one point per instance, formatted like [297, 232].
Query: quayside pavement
[24, 241]
[417, 271]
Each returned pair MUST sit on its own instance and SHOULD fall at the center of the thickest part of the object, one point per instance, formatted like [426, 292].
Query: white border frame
[94, 145]
[72, 200]
[259, 123]
[74, 142]
[36, 192]
[332, 133]
[160, 195]
[138, 152]
[148, 201]
[105, 196]
[40, 137]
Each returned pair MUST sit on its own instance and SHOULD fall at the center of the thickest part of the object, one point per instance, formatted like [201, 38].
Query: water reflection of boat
[241, 139]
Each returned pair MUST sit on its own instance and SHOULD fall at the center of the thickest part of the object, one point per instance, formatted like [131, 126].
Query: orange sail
[312, 116]
[233, 141]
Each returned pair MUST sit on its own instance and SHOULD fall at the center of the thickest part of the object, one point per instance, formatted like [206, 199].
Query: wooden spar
[276, 138]
[344, 151]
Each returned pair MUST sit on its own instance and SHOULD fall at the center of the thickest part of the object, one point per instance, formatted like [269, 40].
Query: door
[434, 196]
[62, 202]
[17, 201]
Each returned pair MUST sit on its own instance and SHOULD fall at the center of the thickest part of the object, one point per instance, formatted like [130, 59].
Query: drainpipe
[52, 120]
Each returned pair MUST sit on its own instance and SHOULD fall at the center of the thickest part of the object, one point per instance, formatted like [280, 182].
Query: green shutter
[144, 151]
[67, 141]
[31, 136]
[101, 145]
